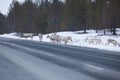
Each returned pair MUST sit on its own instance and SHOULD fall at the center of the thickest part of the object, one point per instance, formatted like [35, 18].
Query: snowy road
[29, 60]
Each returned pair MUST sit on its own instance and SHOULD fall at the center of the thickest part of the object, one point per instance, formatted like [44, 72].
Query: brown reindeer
[112, 41]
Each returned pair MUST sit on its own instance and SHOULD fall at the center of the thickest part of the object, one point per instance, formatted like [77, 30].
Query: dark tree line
[44, 16]
[3, 24]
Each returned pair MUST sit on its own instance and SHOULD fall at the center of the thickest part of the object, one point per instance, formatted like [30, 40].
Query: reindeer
[52, 37]
[26, 35]
[66, 39]
[57, 38]
[98, 41]
[95, 41]
[40, 36]
[112, 41]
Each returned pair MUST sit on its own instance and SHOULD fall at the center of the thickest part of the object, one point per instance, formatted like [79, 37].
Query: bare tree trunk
[104, 14]
[114, 18]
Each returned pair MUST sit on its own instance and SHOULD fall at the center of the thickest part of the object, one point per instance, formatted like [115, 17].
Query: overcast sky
[4, 5]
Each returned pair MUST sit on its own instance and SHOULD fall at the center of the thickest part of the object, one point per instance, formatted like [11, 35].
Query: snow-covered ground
[79, 39]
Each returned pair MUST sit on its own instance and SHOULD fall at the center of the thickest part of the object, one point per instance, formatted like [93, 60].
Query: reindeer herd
[30, 35]
[98, 41]
[59, 39]
[54, 37]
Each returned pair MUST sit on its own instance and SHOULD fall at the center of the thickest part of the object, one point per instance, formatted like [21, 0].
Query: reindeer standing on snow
[94, 41]
[58, 38]
[52, 37]
[66, 39]
[40, 36]
[112, 41]
[26, 35]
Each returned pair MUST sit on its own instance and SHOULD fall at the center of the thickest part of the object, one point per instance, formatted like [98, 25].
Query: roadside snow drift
[79, 39]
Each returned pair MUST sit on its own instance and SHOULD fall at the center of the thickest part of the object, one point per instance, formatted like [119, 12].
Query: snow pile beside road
[78, 38]
[11, 35]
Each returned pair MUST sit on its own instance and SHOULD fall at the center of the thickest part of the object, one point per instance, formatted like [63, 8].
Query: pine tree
[55, 15]
[3, 24]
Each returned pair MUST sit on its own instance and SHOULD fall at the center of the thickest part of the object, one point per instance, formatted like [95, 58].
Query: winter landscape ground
[79, 39]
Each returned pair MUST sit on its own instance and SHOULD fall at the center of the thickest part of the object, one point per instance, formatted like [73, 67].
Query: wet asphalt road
[30, 60]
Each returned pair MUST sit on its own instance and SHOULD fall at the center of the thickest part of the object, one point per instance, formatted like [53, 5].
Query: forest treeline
[45, 16]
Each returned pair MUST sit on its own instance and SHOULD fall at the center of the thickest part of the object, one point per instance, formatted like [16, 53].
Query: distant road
[30, 60]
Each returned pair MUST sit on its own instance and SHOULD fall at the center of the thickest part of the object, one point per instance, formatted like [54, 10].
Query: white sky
[4, 5]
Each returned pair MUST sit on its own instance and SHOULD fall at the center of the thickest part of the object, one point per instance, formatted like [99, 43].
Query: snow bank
[78, 39]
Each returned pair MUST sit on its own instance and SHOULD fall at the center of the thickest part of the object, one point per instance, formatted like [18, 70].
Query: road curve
[30, 60]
